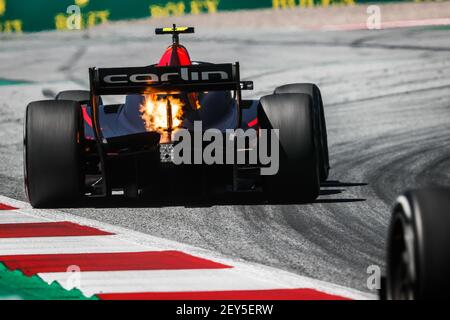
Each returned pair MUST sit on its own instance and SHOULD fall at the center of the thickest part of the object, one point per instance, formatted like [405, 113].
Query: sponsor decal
[9, 25]
[286, 4]
[165, 75]
[182, 7]
[184, 75]
[81, 3]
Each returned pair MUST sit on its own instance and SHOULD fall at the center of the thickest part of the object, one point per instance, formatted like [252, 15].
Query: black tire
[319, 115]
[53, 137]
[298, 175]
[418, 259]
[81, 96]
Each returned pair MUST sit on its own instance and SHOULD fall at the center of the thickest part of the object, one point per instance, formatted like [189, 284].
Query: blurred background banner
[37, 15]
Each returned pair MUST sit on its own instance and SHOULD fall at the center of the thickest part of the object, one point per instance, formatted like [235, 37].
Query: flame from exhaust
[154, 113]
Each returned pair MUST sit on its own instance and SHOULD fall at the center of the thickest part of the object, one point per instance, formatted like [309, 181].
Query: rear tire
[418, 260]
[319, 115]
[81, 96]
[298, 175]
[53, 139]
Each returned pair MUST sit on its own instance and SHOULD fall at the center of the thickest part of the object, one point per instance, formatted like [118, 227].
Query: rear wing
[146, 80]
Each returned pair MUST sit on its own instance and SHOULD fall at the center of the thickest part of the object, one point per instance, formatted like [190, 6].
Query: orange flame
[154, 113]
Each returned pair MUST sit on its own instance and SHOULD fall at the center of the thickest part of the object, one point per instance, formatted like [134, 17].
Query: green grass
[6, 82]
[438, 28]
[15, 285]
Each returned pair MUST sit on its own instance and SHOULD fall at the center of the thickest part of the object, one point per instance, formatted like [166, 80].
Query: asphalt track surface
[387, 104]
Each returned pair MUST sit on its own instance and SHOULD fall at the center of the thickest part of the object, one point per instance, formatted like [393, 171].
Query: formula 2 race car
[418, 253]
[76, 147]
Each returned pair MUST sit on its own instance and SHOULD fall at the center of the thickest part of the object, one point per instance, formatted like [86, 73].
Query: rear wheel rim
[402, 273]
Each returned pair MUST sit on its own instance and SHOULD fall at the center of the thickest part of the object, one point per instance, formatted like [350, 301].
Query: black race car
[77, 147]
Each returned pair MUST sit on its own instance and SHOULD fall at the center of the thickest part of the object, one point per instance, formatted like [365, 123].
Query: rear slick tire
[81, 96]
[298, 177]
[319, 116]
[418, 259]
[53, 138]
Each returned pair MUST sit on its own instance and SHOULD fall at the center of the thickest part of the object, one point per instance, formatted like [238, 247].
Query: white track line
[68, 245]
[126, 240]
[164, 281]
[13, 216]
